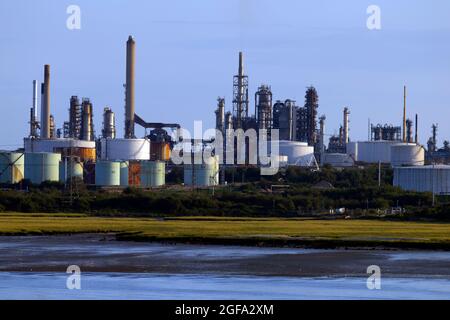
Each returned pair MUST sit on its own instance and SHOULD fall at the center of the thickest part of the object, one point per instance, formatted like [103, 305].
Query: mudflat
[103, 253]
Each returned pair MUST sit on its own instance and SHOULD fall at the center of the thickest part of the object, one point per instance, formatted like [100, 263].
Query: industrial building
[76, 152]
[297, 126]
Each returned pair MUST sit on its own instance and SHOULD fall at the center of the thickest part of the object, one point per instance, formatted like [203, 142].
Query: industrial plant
[101, 158]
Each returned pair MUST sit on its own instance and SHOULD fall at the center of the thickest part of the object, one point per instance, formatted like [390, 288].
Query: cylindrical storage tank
[107, 173]
[298, 153]
[352, 150]
[40, 167]
[12, 167]
[374, 151]
[153, 174]
[435, 179]
[134, 173]
[124, 173]
[202, 175]
[160, 151]
[70, 169]
[125, 149]
[338, 159]
[407, 154]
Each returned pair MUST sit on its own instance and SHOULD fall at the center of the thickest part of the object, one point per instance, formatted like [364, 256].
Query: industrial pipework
[240, 95]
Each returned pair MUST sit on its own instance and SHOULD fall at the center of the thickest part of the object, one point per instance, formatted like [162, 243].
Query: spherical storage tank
[70, 169]
[107, 173]
[11, 167]
[40, 167]
[407, 154]
[298, 153]
[202, 175]
[153, 174]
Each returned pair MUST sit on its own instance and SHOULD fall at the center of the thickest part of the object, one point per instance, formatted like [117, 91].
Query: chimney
[33, 112]
[129, 87]
[346, 128]
[404, 114]
[45, 112]
[416, 138]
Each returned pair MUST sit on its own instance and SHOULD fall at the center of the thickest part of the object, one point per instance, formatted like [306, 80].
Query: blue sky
[187, 53]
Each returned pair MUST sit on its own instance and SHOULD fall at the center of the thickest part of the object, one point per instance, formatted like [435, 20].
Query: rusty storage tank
[12, 167]
[160, 151]
[134, 173]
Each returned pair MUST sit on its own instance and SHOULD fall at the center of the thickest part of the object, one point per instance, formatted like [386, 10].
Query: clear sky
[187, 52]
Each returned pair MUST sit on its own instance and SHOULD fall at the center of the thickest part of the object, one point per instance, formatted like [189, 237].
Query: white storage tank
[407, 154]
[202, 175]
[298, 153]
[70, 169]
[372, 151]
[338, 160]
[423, 178]
[40, 167]
[153, 174]
[125, 149]
[107, 173]
[12, 167]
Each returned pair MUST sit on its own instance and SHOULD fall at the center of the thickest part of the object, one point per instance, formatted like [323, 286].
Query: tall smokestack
[33, 111]
[45, 112]
[35, 98]
[241, 64]
[416, 138]
[404, 114]
[346, 125]
[129, 107]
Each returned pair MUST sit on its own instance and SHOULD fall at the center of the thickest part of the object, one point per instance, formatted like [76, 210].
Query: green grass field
[326, 233]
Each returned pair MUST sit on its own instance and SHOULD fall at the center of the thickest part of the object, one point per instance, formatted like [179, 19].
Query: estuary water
[35, 268]
[198, 287]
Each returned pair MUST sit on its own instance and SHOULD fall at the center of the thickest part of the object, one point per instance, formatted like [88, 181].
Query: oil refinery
[106, 160]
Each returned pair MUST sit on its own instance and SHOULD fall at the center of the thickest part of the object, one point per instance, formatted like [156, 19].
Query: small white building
[435, 179]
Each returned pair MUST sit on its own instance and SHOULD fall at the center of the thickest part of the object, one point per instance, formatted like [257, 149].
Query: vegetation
[268, 231]
[302, 193]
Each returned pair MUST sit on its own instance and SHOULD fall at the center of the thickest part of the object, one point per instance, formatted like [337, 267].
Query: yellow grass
[224, 228]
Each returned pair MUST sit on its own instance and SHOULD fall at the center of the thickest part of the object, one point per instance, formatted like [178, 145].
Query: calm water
[211, 272]
[154, 286]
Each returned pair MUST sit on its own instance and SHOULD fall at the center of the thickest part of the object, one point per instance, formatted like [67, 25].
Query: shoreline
[263, 242]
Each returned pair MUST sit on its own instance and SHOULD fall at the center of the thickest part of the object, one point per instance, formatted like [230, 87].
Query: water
[152, 271]
[200, 287]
